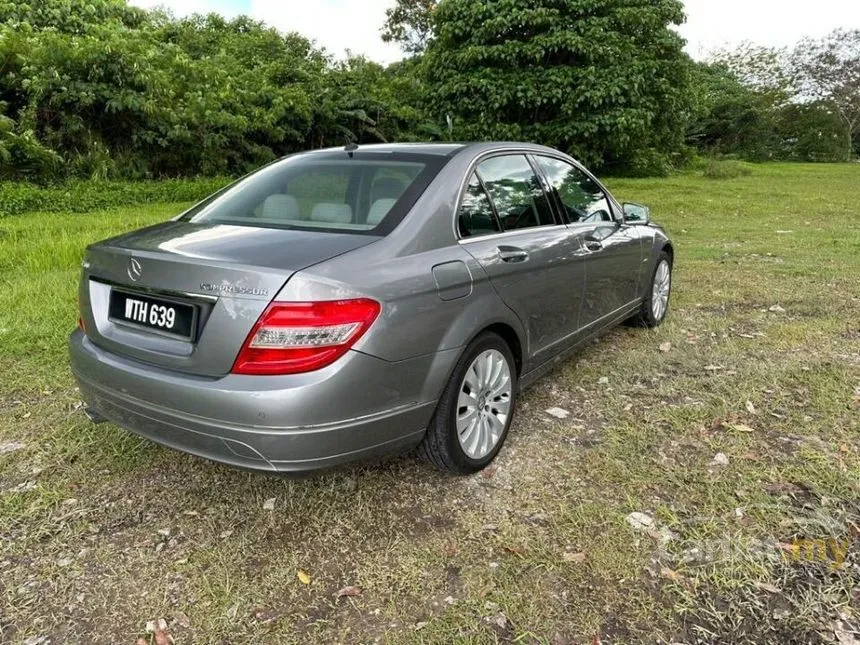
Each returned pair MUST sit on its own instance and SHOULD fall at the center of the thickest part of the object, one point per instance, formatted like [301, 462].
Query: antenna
[350, 148]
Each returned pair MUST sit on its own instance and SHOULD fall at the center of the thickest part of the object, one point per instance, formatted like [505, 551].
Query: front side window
[582, 198]
[516, 192]
[324, 191]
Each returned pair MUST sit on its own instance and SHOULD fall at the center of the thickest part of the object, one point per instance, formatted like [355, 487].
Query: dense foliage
[603, 79]
[409, 23]
[797, 104]
[729, 117]
[97, 89]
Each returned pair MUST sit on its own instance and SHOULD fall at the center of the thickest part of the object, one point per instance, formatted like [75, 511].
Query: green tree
[729, 117]
[809, 132]
[828, 72]
[98, 89]
[71, 16]
[807, 98]
[22, 155]
[603, 79]
[105, 90]
[410, 24]
[364, 102]
[765, 70]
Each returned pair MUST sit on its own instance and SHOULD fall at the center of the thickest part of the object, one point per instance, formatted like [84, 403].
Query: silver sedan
[347, 303]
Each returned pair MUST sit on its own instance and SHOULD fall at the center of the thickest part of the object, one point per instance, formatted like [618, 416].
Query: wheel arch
[510, 336]
[669, 250]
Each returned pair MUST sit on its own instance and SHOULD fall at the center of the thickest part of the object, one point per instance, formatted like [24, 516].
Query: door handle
[593, 244]
[513, 254]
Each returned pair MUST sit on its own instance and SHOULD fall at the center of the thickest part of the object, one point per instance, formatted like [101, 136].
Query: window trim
[496, 218]
[514, 233]
[473, 169]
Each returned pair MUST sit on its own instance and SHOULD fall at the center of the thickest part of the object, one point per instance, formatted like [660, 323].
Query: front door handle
[593, 244]
[513, 254]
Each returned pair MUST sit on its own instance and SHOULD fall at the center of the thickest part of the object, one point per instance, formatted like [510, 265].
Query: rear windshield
[328, 191]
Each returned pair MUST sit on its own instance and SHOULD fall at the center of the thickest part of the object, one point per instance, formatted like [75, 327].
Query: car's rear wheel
[656, 303]
[475, 410]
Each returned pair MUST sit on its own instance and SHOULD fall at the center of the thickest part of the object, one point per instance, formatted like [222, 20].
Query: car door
[613, 250]
[508, 225]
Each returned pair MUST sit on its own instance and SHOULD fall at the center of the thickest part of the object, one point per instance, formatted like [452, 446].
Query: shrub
[726, 169]
[83, 196]
[646, 162]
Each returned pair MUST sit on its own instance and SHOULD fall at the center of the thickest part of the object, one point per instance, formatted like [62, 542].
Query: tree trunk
[849, 135]
[852, 130]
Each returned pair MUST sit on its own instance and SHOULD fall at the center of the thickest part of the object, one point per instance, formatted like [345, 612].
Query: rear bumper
[360, 407]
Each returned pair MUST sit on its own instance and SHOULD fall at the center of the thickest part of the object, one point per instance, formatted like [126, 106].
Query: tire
[442, 445]
[649, 315]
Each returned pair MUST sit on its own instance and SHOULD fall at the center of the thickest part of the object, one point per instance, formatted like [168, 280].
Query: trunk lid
[229, 274]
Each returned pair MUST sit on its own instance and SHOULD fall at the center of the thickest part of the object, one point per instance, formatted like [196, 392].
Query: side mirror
[636, 213]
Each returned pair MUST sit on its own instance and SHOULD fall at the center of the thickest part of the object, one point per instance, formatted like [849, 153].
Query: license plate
[157, 314]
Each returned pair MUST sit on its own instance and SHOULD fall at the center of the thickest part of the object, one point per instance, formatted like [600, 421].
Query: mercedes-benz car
[347, 303]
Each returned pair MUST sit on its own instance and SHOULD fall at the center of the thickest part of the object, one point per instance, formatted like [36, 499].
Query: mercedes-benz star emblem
[134, 270]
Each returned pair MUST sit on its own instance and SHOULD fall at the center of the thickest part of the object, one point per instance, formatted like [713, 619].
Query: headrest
[331, 212]
[281, 207]
[387, 188]
[379, 210]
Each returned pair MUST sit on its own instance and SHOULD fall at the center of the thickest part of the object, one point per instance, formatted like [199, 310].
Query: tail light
[81, 325]
[296, 337]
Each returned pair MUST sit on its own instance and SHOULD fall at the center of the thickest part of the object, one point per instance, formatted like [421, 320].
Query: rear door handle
[513, 254]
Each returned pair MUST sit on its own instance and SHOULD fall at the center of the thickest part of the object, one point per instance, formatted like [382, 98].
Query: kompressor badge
[234, 289]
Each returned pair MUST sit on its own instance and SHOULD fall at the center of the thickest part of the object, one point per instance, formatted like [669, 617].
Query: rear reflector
[296, 337]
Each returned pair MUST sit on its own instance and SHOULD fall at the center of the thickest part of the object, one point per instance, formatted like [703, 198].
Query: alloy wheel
[484, 404]
[660, 293]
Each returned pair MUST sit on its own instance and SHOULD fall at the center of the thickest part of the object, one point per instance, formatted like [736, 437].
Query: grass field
[735, 428]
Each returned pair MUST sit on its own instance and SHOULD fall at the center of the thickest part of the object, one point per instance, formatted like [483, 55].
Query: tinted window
[324, 191]
[309, 188]
[581, 197]
[516, 192]
[476, 215]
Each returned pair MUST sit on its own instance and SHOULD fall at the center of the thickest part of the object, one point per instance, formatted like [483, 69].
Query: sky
[339, 25]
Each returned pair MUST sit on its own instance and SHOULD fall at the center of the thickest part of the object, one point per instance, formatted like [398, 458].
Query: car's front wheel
[655, 306]
[475, 410]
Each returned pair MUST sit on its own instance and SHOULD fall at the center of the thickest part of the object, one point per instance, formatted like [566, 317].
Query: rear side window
[330, 191]
[476, 215]
[579, 194]
[516, 192]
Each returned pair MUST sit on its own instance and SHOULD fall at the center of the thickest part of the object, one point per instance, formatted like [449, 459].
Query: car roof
[440, 149]
[445, 149]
